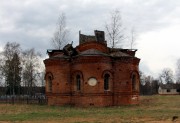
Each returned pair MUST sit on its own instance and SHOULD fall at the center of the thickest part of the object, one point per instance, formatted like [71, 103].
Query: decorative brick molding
[91, 66]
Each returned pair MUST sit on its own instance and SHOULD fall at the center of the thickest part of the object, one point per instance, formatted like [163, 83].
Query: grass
[151, 109]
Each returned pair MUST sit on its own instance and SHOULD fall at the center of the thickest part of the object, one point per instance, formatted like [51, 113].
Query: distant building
[169, 89]
[92, 74]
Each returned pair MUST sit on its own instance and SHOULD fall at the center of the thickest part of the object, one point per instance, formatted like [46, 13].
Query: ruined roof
[93, 52]
[99, 37]
[119, 54]
[59, 55]
[53, 52]
[130, 52]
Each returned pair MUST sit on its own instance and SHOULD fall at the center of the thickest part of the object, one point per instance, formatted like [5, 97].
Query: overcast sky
[157, 23]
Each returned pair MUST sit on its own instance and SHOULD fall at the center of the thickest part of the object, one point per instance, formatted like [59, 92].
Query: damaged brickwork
[92, 74]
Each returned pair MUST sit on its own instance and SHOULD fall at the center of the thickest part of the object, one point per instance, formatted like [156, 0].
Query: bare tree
[11, 67]
[155, 86]
[178, 71]
[148, 85]
[114, 29]
[145, 85]
[166, 76]
[1, 78]
[60, 37]
[30, 73]
[1, 74]
[133, 38]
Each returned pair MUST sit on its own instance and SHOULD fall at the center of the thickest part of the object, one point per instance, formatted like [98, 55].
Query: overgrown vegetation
[151, 108]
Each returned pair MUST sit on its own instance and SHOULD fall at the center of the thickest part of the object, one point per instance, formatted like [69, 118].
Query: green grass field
[152, 109]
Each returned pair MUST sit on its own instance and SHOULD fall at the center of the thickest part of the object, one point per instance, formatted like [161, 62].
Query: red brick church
[92, 74]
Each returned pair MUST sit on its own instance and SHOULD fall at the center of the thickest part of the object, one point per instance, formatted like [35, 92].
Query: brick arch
[77, 86]
[93, 45]
[107, 85]
[107, 72]
[49, 74]
[49, 77]
[135, 72]
[74, 73]
[135, 80]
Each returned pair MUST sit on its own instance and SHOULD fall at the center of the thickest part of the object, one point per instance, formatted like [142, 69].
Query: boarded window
[106, 81]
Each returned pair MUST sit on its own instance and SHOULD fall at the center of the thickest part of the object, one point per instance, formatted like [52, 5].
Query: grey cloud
[32, 23]
[150, 15]
[145, 69]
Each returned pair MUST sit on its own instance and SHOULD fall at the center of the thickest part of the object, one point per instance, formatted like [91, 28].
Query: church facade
[92, 74]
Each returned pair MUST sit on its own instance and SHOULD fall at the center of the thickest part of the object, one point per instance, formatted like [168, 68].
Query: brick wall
[65, 70]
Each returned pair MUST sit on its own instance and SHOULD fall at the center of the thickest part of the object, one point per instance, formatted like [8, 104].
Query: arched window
[106, 81]
[49, 78]
[78, 82]
[49, 84]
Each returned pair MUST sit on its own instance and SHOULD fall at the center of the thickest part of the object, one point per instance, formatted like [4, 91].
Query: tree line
[149, 85]
[20, 69]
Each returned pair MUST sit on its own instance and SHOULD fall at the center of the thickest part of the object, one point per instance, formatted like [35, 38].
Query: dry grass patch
[152, 109]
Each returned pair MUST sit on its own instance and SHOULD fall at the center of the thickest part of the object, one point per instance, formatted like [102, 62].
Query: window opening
[50, 84]
[134, 82]
[106, 81]
[78, 82]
